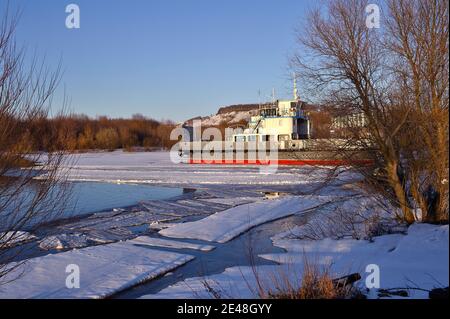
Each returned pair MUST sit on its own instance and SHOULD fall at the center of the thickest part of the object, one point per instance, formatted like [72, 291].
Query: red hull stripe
[283, 162]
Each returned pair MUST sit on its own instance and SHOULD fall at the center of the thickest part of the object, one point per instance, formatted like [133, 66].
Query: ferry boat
[279, 134]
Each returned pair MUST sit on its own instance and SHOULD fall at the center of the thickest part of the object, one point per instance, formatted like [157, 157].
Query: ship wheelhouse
[280, 121]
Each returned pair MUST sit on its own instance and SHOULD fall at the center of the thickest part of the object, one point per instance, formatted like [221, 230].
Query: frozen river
[91, 197]
[145, 227]
[156, 168]
[143, 216]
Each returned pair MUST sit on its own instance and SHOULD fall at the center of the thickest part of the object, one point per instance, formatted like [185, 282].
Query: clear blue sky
[171, 59]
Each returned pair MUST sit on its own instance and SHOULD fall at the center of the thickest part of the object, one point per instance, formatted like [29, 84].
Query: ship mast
[296, 97]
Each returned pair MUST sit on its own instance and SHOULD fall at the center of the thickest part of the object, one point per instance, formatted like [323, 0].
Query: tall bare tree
[31, 183]
[397, 78]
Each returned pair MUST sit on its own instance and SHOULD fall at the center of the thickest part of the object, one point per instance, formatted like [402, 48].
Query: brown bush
[315, 282]
[107, 138]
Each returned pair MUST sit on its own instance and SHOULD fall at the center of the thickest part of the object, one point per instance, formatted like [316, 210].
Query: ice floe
[65, 241]
[167, 243]
[104, 270]
[224, 226]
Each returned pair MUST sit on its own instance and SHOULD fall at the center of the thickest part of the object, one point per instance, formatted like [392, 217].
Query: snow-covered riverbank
[152, 238]
[418, 259]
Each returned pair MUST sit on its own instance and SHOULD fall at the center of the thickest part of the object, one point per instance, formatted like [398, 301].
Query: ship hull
[282, 158]
[286, 162]
[293, 152]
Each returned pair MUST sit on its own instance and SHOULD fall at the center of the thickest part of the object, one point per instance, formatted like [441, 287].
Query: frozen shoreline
[418, 259]
[230, 203]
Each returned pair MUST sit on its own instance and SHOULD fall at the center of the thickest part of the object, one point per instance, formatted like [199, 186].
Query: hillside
[239, 114]
[228, 116]
[238, 108]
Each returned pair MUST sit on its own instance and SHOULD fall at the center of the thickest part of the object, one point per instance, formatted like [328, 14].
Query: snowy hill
[238, 114]
[228, 116]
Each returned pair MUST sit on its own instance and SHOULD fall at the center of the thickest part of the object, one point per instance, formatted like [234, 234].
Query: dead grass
[315, 282]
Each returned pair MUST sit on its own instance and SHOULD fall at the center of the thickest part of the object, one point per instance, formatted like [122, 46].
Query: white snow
[64, 241]
[418, 259]
[167, 243]
[357, 217]
[224, 226]
[229, 118]
[157, 168]
[233, 283]
[159, 226]
[104, 270]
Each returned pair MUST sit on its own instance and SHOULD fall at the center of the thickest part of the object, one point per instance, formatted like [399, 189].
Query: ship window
[240, 138]
[252, 138]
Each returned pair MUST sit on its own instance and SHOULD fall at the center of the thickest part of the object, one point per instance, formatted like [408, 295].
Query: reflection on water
[89, 197]
[82, 198]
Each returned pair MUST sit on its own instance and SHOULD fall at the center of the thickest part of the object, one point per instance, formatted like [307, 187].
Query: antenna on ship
[296, 97]
[273, 96]
[259, 98]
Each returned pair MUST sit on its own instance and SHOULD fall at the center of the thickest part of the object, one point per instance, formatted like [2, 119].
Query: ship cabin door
[303, 128]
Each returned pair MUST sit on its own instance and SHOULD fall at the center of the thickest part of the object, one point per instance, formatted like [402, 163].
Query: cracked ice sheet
[104, 270]
[75, 240]
[167, 243]
[226, 225]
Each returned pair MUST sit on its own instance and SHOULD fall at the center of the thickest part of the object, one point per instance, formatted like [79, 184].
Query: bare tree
[396, 77]
[418, 35]
[31, 183]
